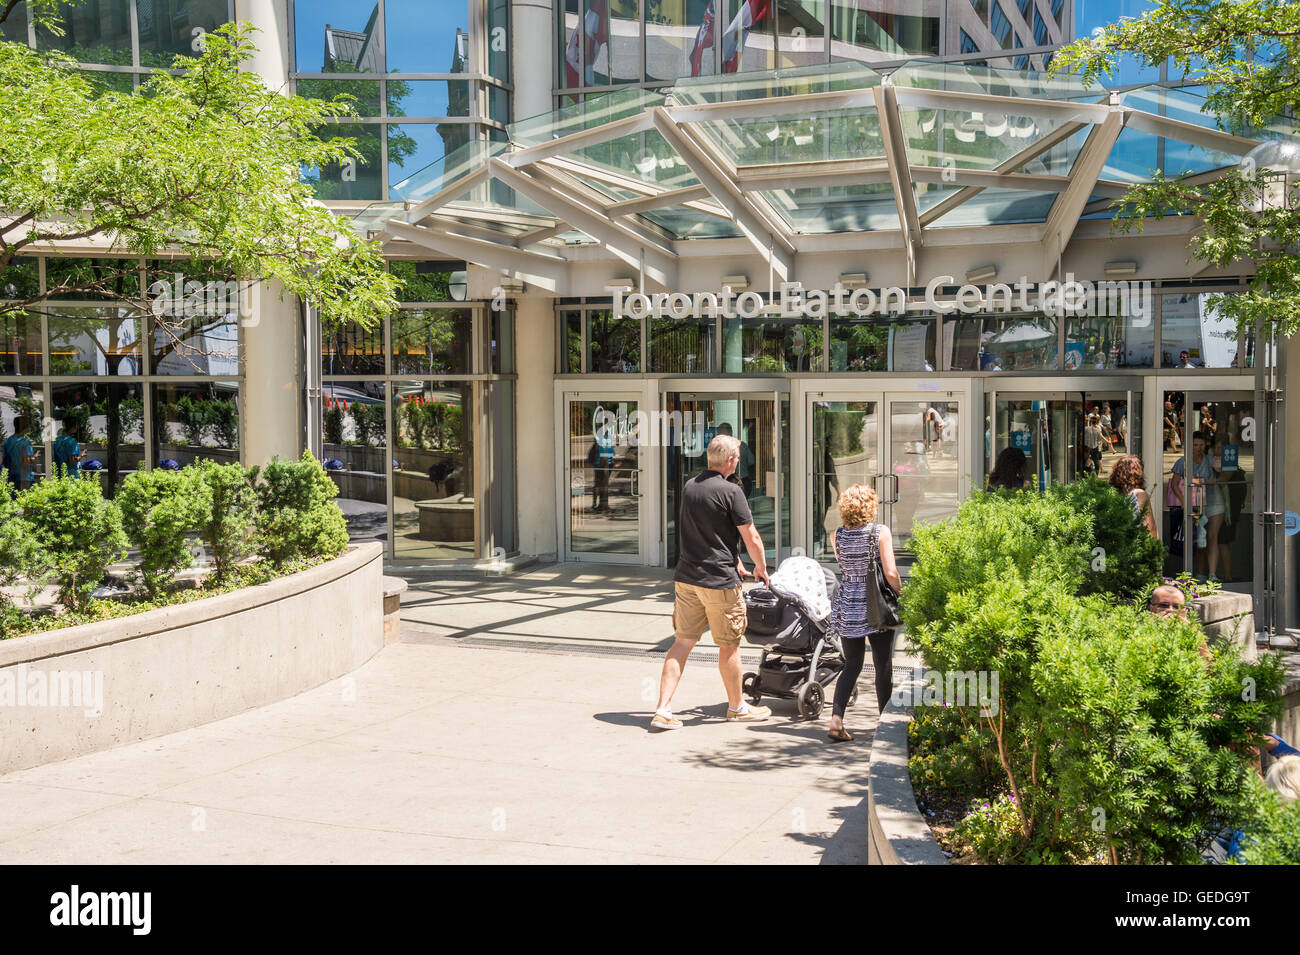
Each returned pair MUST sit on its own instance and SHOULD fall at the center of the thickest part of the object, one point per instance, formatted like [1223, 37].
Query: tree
[203, 163]
[1247, 53]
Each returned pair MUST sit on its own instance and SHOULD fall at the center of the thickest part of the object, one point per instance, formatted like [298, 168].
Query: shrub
[1110, 731]
[21, 557]
[194, 416]
[79, 530]
[298, 516]
[991, 829]
[228, 528]
[1125, 560]
[160, 509]
[333, 423]
[1273, 836]
[224, 418]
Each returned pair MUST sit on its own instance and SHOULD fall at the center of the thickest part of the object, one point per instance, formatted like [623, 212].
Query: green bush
[1116, 740]
[194, 416]
[160, 509]
[991, 829]
[229, 527]
[79, 530]
[22, 559]
[224, 418]
[298, 517]
[1125, 560]
[333, 423]
[1273, 835]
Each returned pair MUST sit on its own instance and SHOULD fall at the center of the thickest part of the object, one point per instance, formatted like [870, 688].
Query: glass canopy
[781, 157]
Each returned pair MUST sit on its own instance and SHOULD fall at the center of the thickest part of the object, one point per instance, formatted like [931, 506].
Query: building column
[535, 426]
[532, 63]
[271, 393]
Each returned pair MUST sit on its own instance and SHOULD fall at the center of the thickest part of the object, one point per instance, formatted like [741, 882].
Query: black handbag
[882, 600]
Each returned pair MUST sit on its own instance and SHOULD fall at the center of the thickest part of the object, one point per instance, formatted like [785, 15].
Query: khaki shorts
[721, 612]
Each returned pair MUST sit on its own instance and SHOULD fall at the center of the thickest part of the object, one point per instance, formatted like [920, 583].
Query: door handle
[894, 499]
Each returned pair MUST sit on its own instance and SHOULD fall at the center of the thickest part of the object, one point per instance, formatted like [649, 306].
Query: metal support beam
[447, 194]
[811, 175]
[616, 129]
[1055, 111]
[628, 244]
[767, 237]
[547, 272]
[1069, 205]
[891, 132]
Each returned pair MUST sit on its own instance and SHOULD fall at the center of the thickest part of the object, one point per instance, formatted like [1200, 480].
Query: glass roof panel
[686, 223]
[989, 207]
[639, 156]
[968, 139]
[799, 137]
[1137, 154]
[732, 87]
[588, 114]
[863, 208]
[457, 164]
[923, 74]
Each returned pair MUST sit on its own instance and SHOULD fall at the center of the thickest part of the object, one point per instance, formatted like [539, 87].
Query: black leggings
[882, 658]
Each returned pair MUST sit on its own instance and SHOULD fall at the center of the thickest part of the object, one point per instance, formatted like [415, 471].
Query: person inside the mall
[859, 544]
[933, 422]
[1204, 478]
[1127, 478]
[713, 521]
[1092, 438]
[19, 456]
[67, 454]
[1173, 427]
[1185, 359]
[1008, 472]
[744, 473]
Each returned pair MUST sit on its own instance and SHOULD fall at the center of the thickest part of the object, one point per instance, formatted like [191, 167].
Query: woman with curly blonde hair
[1126, 477]
[858, 545]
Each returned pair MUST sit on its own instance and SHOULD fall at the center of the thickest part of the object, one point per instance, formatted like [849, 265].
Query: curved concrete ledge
[76, 691]
[897, 833]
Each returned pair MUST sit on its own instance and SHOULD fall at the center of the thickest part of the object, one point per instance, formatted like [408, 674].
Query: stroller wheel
[811, 698]
[749, 685]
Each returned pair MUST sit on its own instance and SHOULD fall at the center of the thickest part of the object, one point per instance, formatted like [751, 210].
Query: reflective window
[882, 345]
[338, 36]
[498, 39]
[571, 343]
[802, 32]
[613, 344]
[681, 346]
[1194, 335]
[105, 424]
[20, 343]
[21, 279]
[355, 449]
[1111, 340]
[95, 341]
[1001, 343]
[747, 42]
[433, 469]
[432, 341]
[428, 97]
[680, 38]
[362, 95]
[422, 37]
[356, 178]
[193, 422]
[171, 27]
[425, 282]
[98, 32]
[92, 279]
[14, 27]
[860, 26]
[22, 412]
[771, 344]
[351, 350]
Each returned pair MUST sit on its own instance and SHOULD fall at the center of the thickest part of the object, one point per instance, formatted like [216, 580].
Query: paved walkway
[508, 726]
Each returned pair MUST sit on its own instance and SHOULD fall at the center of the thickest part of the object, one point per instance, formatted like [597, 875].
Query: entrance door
[603, 474]
[1065, 435]
[761, 421]
[1210, 444]
[910, 449]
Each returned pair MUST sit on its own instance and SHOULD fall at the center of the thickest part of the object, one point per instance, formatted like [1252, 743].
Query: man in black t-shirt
[714, 521]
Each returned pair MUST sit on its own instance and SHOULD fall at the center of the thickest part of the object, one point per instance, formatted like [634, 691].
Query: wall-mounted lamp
[457, 286]
[737, 283]
[620, 285]
[853, 279]
[1116, 270]
[983, 273]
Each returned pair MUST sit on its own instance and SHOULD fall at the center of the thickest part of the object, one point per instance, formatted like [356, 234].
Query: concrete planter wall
[897, 833]
[1228, 616]
[177, 667]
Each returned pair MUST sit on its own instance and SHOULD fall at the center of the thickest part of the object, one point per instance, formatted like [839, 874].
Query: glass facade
[417, 422]
[425, 78]
[135, 386]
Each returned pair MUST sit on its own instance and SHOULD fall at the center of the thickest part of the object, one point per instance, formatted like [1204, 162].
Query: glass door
[691, 420]
[909, 448]
[1210, 444]
[603, 476]
[1064, 435]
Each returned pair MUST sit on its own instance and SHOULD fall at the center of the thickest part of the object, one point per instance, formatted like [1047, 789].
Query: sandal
[840, 735]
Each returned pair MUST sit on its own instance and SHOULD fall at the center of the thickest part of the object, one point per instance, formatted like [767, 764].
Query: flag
[733, 41]
[595, 32]
[703, 41]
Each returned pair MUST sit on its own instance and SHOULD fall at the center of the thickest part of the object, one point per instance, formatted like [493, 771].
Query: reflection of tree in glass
[421, 286]
[615, 343]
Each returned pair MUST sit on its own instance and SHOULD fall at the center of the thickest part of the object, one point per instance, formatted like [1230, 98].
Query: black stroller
[800, 656]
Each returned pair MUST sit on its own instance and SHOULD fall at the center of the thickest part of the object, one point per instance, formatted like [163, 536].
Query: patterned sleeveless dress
[857, 549]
